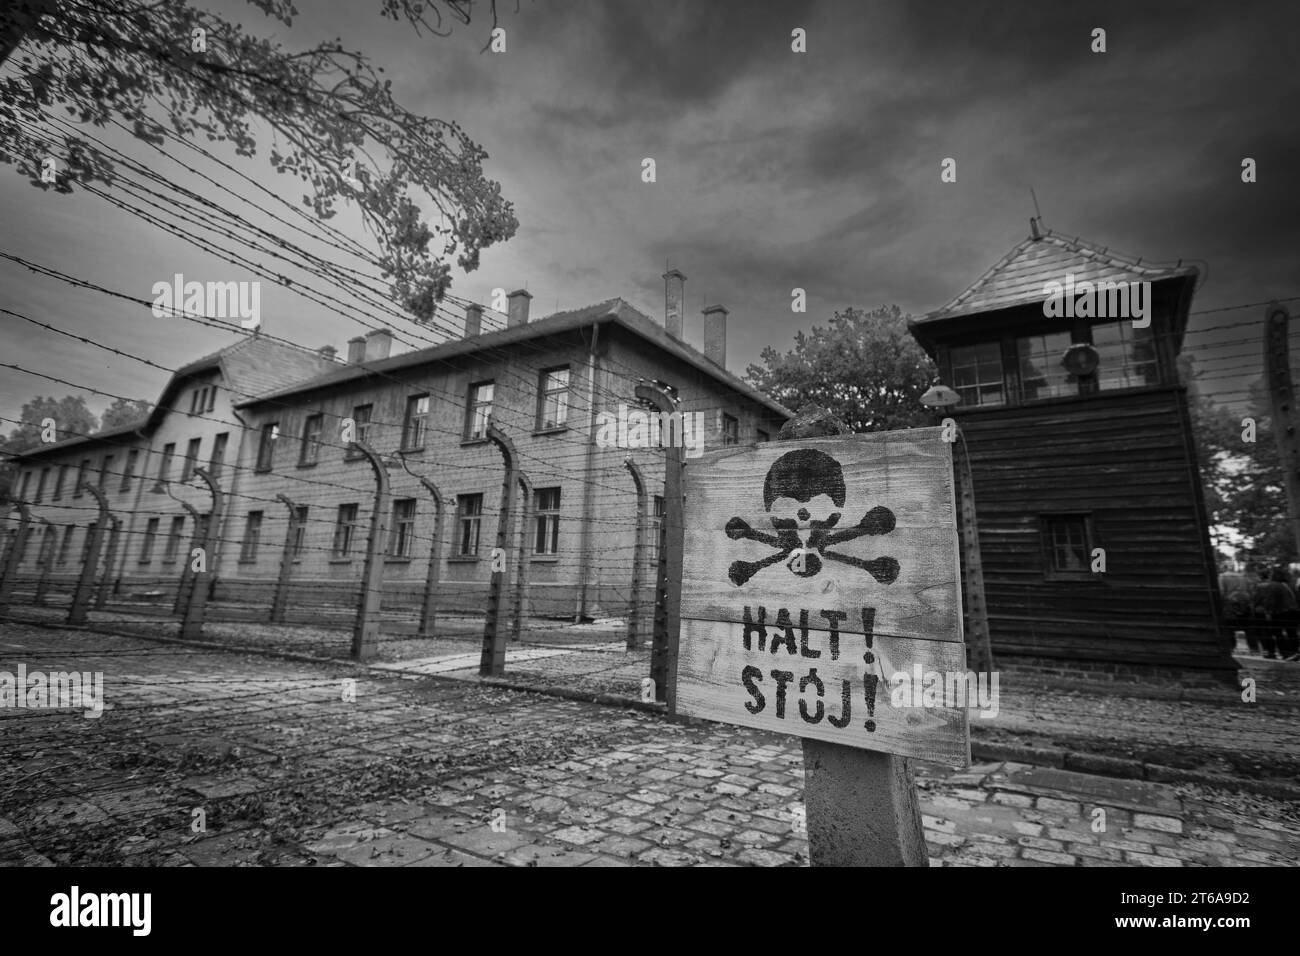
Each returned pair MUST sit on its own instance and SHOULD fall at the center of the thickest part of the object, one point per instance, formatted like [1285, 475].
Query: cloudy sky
[775, 169]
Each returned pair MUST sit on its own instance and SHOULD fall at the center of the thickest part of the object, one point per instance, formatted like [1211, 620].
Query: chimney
[379, 343]
[357, 350]
[674, 302]
[473, 320]
[328, 352]
[1033, 228]
[715, 335]
[518, 314]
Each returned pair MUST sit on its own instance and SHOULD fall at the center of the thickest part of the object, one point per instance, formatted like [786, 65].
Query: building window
[252, 537]
[82, 471]
[22, 487]
[132, 458]
[1067, 542]
[360, 429]
[196, 400]
[212, 398]
[218, 453]
[146, 546]
[169, 452]
[311, 429]
[403, 530]
[479, 410]
[105, 469]
[298, 539]
[417, 417]
[763, 436]
[40, 484]
[1041, 373]
[1126, 357]
[66, 544]
[977, 373]
[553, 392]
[656, 525]
[547, 503]
[266, 446]
[344, 530]
[191, 459]
[469, 515]
[730, 429]
[173, 546]
[60, 481]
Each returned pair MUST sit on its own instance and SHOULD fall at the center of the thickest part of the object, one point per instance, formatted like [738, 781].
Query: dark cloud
[780, 170]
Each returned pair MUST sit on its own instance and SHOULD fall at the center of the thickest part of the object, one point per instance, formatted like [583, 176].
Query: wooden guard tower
[1081, 448]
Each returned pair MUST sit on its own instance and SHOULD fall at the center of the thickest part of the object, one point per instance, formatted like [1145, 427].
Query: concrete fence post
[280, 600]
[201, 581]
[48, 545]
[365, 630]
[521, 572]
[82, 597]
[492, 661]
[429, 603]
[638, 557]
[187, 567]
[14, 556]
[110, 558]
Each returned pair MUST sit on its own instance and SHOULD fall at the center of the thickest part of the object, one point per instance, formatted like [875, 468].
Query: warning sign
[821, 595]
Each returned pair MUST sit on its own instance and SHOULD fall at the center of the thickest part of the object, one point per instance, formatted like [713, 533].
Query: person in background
[1239, 605]
[1275, 602]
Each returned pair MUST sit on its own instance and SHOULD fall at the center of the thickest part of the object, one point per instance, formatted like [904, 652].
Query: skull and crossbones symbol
[804, 477]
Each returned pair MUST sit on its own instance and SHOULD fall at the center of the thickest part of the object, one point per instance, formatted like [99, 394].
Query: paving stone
[1047, 856]
[1147, 821]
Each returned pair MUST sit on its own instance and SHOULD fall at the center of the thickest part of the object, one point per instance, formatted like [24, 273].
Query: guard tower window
[1067, 545]
[977, 373]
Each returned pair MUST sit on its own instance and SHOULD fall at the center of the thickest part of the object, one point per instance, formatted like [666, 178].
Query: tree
[337, 126]
[71, 419]
[1243, 480]
[865, 367]
[125, 411]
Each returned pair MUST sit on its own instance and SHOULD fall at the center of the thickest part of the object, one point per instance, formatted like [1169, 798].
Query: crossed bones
[878, 520]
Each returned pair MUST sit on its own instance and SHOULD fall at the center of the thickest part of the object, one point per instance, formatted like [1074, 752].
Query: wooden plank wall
[1123, 458]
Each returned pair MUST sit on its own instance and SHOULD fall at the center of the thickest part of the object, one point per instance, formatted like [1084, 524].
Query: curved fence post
[187, 567]
[110, 558]
[429, 606]
[492, 662]
[286, 563]
[200, 580]
[48, 545]
[86, 583]
[638, 545]
[14, 556]
[365, 631]
[521, 572]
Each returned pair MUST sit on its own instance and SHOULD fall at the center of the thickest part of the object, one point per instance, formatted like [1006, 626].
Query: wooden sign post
[821, 581]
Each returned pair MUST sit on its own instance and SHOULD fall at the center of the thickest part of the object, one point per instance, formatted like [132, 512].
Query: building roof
[248, 367]
[1018, 279]
[615, 311]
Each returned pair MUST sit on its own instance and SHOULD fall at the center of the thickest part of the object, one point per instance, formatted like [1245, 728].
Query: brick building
[145, 471]
[292, 478]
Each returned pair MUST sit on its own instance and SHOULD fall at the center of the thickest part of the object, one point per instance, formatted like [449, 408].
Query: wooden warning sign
[821, 595]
